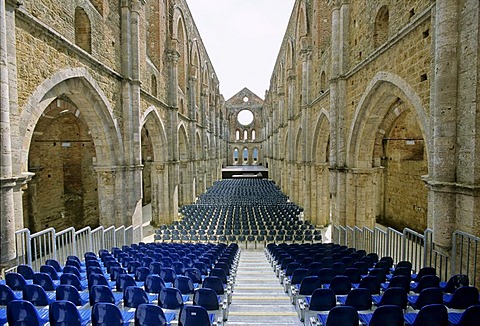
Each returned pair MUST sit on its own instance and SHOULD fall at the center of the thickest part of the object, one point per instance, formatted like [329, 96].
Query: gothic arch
[183, 143]
[302, 21]
[180, 34]
[79, 87]
[153, 122]
[381, 93]
[321, 138]
[199, 151]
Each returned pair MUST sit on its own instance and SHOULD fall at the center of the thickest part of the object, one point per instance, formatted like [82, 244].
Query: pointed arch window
[153, 82]
[245, 155]
[235, 155]
[83, 30]
[255, 155]
[237, 135]
[380, 35]
[245, 135]
[253, 134]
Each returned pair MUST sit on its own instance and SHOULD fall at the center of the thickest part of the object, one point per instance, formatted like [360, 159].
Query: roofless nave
[371, 114]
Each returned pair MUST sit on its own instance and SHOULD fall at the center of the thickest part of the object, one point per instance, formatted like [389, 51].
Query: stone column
[340, 15]
[305, 188]
[7, 180]
[290, 124]
[106, 179]
[442, 203]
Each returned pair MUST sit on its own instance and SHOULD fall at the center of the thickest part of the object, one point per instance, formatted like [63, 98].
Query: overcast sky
[242, 38]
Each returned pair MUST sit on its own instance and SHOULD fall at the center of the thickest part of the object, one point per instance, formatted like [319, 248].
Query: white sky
[242, 39]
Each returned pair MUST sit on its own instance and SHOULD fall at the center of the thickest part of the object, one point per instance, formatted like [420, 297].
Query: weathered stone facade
[245, 139]
[104, 104]
[372, 114]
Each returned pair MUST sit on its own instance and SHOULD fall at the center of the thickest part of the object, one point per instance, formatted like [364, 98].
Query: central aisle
[258, 297]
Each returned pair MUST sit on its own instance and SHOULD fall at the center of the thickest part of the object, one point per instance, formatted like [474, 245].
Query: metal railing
[417, 248]
[35, 249]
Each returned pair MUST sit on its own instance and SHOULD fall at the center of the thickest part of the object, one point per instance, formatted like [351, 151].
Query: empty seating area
[141, 284]
[250, 211]
[330, 284]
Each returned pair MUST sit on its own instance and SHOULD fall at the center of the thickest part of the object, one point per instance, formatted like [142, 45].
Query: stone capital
[173, 56]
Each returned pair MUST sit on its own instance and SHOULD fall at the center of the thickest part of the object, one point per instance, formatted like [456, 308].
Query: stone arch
[302, 22]
[199, 151]
[195, 74]
[183, 143]
[369, 113]
[72, 112]
[83, 30]
[154, 156]
[388, 154]
[82, 90]
[180, 35]
[321, 138]
[320, 177]
[153, 122]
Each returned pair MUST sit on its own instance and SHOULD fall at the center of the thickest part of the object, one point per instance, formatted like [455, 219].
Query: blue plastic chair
[100, 279]
[194, 274]
[184, 284]
[432, 315]
[470, 317]
[45, 281]
[102, 293]
[427, 281]
[370, 282]
[26, 271]
[395, 296]
[462, 298]
[7, 295]
[386, 315]
[70, 269]
[422, 272]
[402, 281]
[50, 270]
[340, 284]
[71, 293]
[108, 314]
[153, 284]
[124, 280]
[133, 296]
[37, 295]
[170, 298]
[72, 279]
[148, 314]
[360, 299]
[22, 312]
[55, 264]
[320, 300]
[426, 297]
[63, 312]
[195, 316]
[16, 281]
[141, 273]
[340, 315]
[168, 274]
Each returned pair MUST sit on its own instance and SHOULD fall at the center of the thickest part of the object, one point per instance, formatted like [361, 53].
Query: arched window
[235, 155]
[245, 135]
[83, 30]
[380, 35]
[255, 155]
[237, 135]
[153, 82]
[323, 86]
[245, 155]
[253, 134]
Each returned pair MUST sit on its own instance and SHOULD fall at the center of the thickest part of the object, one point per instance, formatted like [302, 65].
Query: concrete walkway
[258, 297]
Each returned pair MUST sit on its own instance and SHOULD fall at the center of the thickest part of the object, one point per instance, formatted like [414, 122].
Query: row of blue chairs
[392, 315]
[317, 278]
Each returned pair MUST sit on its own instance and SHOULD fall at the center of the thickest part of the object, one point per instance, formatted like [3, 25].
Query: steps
[258, 297]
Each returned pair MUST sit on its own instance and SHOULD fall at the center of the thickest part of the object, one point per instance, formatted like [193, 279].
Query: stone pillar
[338, 94]
[130, 47]
[442, 203]
[362, 190]
[106, 179]
[290, 123]
[7, 180]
